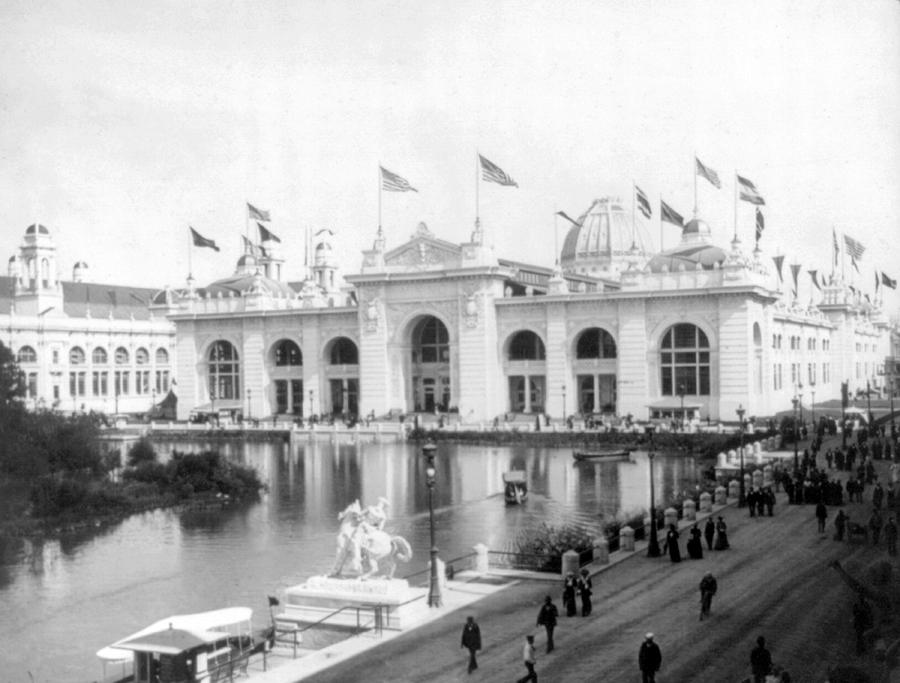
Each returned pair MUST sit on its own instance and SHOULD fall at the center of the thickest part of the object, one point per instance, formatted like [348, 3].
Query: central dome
[602, 239]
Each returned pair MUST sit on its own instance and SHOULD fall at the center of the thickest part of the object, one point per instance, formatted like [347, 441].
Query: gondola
[601, 456]
[515, 488]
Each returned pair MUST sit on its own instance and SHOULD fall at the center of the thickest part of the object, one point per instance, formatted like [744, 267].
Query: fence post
[570, 561]
[626, 538]
[482, 564]
[601, 551]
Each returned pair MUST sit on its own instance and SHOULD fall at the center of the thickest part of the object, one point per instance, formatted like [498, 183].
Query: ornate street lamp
[742, 498]
[310, 404]
[564, 403]
[653, 546]
[249, 406]
[681, 396]
[812, 389]
[434, 588]
[869, 407]
[795, 401]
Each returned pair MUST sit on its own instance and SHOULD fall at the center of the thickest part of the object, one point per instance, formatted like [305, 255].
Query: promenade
[774, 581]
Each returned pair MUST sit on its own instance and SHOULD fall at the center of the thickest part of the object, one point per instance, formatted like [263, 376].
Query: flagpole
[379, 196]
[633, 199]
[190, 251]
[735, 204]
[477, 206]
[695, 183]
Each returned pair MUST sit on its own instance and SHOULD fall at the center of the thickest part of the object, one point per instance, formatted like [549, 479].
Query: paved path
[774, 581]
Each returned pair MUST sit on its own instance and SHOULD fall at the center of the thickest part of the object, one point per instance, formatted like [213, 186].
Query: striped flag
[393, 183]
[854, 249]
[670, 215]
[257, 214]
[201, 241]
[888, 282]
[642, 202]
[748, 192]
[760, 224]
[493, 173]
[708, 173]
[266, 235]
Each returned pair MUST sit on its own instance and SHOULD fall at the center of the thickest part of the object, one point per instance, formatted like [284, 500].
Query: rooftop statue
[362, 543]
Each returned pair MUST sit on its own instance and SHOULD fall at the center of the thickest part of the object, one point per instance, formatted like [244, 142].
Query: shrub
[142, 451]
[553, 541]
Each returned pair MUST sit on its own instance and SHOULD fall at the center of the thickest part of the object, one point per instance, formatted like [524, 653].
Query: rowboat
[515, 487]
[601, 456]
[187, 648]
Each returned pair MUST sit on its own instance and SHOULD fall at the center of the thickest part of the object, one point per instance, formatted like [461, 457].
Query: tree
[12, 385]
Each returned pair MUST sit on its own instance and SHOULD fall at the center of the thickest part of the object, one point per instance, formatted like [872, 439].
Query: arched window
[595, 343]
[287, 353]
[684, 361]
[45, 273]
[162, 357]
[141, 356]
[99, 356]
[433, 342]
[344, 352]
[76, 356]
[224, 371]
[121, 356]
[526, 345]
[26, 355]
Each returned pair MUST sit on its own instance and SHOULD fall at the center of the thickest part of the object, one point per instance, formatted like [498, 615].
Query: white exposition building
[431, 325]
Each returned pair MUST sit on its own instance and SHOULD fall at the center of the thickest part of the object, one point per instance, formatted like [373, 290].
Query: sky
[123, 123]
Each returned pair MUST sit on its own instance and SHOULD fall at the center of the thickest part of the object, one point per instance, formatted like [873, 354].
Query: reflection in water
[103, 585]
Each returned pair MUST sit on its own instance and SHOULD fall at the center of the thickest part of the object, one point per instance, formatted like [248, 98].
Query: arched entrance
[287, 377]
[431, 389]
[342, 372]
[595, 371]
[526, 372]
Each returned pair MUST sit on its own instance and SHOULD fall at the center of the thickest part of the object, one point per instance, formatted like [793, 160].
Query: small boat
[601, 456]
[515, 487]
[187, 648]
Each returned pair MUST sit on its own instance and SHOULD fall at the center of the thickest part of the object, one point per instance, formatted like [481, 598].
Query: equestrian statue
[362, 543]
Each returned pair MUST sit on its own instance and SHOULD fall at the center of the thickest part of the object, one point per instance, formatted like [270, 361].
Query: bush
[142, 451]
[553, 541]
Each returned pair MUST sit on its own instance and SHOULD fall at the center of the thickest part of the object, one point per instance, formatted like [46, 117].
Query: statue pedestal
[361, 603]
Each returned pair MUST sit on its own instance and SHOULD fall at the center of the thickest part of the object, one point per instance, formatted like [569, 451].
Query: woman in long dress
[721, 535]
[695, 544]
[672, 544]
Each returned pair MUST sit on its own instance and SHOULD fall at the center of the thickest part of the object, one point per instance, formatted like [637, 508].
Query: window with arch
[684, 361]
[224, 371]
[431, 342]
[122, 356]
[162, 357]
[99, 356]
[76, 356]
[287, 353]
[526, 345]
[343, 352]
[26, 355]
[595, 343]
[141, 356]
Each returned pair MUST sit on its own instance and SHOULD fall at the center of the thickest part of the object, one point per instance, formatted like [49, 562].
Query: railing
[294, 636]
[534, 562]
[460, 563]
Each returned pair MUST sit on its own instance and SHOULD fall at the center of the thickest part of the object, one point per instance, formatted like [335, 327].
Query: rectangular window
[72, 383]
[82, 381]
[32, 385]
[162, 381]
[100, 382]
[121, 380]
[667, 381]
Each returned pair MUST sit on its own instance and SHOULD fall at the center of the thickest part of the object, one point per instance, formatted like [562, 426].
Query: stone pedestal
[482, 564]
[758, 478]
[601, 551]
[734, 488]
[626, 538]
[689, 510]
[670, 516]
[721, 495]
[569, 562]
[705, 502]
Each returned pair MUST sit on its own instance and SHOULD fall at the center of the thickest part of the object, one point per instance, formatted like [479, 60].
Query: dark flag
[760, 224]
[642, 202]
[835, 248]
[814, 277]
[779, 260]
[493, 173]
[137, 298]
[112, 297]
[568, 218]
[877, 282]
[670, 215]
[273, 601]
[249, 247]
[888, 282]
[795, 268]
[748, 192]
[201, 241]
[708, 173]
[266, 235]
[257, 214]
[394, 183]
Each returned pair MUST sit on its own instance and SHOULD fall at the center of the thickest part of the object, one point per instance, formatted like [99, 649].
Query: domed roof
[696, 226]
[604, 229]
[246, 261]
[688, 256]
[80, 264]
[36, 228]
[243, 283]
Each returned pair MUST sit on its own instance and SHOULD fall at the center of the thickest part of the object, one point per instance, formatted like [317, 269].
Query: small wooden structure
[515, 487]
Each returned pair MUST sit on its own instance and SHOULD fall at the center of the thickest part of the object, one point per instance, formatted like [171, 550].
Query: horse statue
[361, 544]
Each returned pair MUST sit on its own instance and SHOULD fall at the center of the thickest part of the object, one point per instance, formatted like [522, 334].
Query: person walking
[721, 535]
[863, 620]
[890, 536]
[708, 588]
[695, 544]
[821, 515]
[570, 585]
[547, 618]
[585, 590]
[709, 532]
[840, 523]
[875, 524]
[529, 659]
[760, 661]
[471, 640]
[649, 659]
[672, 544]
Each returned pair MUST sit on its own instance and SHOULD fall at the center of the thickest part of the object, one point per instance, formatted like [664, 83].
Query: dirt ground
[774, 581]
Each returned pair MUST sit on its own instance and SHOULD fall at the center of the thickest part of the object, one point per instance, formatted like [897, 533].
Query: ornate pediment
[424, 252]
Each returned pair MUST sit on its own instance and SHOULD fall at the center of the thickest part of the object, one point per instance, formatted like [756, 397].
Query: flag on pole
[670, 215]
[708, 173]
[854, 264]
[249, 247]
[257, 214]
[642, 202]
[888, 282]
[760, 224]
[201, 241]
[748, 192]
[493, 173]
[795, 268]
[266, 235]
[835, 248]
[394, 183]
[854, 248]
[568, 218]
[877, 282]
[814, 277]
[779, 260]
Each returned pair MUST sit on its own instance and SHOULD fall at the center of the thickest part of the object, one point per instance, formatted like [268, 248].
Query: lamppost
[891, 385]
[249, 406]
[812, 389]
[800, 395]
[564, 403]
[434, 588]
[796, 401]
[868, 406]
[653, 546]
[310, 404]
[681, 396]
[742, 498]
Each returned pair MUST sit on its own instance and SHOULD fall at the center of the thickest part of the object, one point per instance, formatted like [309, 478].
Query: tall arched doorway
[595, 371]
[526, 372]
[287, 377]
[432, 389]
[342, 372]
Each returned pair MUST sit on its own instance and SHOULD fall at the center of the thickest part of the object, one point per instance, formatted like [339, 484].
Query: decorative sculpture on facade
[362, 543]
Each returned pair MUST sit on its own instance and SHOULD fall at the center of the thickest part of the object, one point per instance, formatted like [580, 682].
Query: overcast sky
[124, 122]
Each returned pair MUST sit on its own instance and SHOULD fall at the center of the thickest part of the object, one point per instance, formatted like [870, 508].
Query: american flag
[748, 192]
[257, 214]
[708, 173]
[670, 215]
[854, 248]
[642, 202]
[490, 171]
[394, 183]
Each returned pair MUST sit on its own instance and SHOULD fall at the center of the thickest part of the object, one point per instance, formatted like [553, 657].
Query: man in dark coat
[649, 659]
[585, 590]
[471, 640]
[821, 516]
[890, 535]
[709, 532]
[547, 618]
[708, 588]
[570, 587]
[760, 661]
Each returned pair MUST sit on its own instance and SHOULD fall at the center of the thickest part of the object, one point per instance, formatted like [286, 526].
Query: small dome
[36, 228]
[696, 226]
[707, 255]
[243, 283]
[246, 261]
